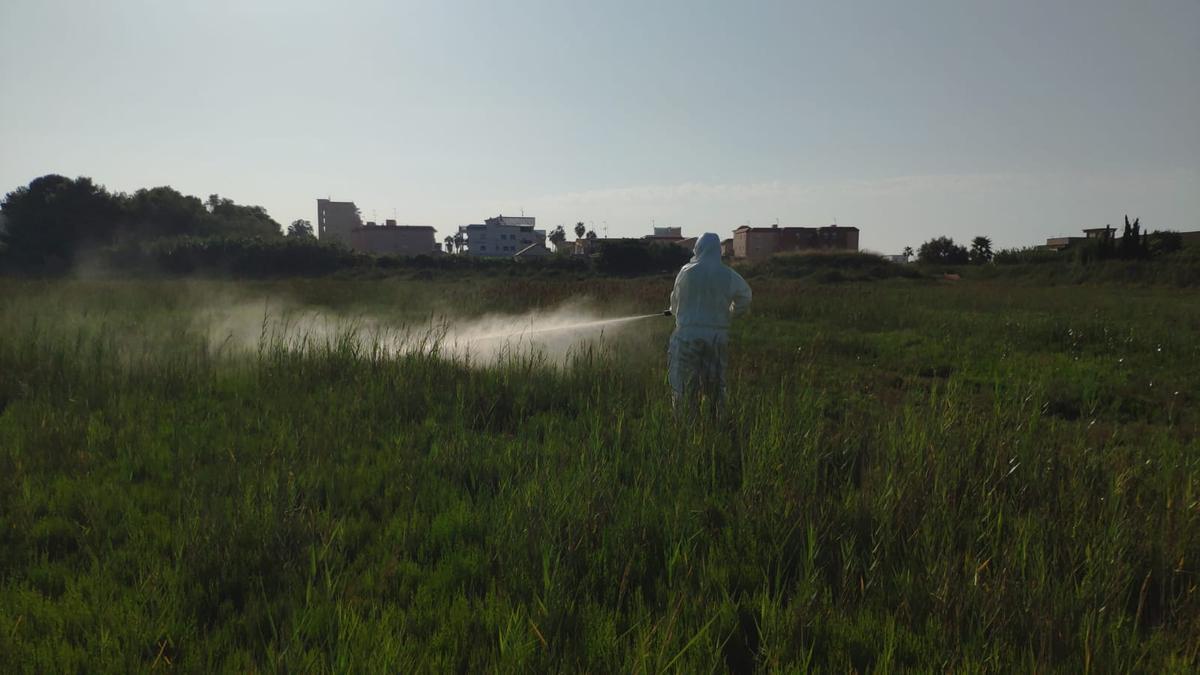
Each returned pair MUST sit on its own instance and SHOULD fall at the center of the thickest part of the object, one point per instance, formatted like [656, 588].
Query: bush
[1031, 255]
[222, 256]
[637, 257]
[829, 266]
[942, 251]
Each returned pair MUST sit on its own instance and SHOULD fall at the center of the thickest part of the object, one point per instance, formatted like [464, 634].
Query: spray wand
[574, 326]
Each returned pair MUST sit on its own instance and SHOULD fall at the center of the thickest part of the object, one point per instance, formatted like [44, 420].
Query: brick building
[393, 239]
[756, 243]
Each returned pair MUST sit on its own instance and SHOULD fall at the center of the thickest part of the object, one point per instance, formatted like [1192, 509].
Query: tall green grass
[975, 478]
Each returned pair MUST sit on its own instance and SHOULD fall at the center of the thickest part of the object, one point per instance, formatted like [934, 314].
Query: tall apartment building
[336, 220]
[756, 243]
[501, 236]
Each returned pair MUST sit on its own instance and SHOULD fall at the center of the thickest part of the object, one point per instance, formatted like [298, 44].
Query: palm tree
[908, 253]
[449, 241]
[580, 229]
[460, 242]
[981, 250]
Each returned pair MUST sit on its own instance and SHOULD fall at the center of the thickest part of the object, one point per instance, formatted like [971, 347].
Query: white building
[502, 236]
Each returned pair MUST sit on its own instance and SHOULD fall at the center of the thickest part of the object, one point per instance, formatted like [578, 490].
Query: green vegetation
[828, 267]
[54, 220]
[943, 251]
[964, 477]
[1177, 268]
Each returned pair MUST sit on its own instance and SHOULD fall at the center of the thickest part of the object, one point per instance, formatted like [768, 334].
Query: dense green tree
[54, 217]
[1132, 245]
[981, 250]
[165, 212]
[908, 252]
[236, 220]
[1161, 243]
[300, 229]
[942, 251]
[558, 236]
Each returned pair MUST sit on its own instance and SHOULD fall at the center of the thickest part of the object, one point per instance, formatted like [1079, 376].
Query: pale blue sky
[1017, 119]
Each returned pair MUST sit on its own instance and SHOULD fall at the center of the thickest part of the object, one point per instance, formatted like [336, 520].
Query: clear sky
[1016, 119]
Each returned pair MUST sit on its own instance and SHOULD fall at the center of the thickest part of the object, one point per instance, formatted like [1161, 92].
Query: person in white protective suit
[706, 296]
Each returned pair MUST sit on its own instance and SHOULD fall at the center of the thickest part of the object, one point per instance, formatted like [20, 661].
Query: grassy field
[973, 477]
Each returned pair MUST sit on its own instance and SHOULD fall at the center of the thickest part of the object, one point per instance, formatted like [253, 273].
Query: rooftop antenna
[522, 211]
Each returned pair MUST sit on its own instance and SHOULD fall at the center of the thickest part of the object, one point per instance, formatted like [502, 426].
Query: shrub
[829, 266]
[637, 257]
[942, 251]
[252, 257]
[1030, 255]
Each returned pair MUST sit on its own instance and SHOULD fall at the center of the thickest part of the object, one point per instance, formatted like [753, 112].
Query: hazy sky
[1016, 119]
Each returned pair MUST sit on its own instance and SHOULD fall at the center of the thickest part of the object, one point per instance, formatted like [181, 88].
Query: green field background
[972, 477]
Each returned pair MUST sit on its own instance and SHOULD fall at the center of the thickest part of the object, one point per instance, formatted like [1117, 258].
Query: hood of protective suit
[708, 294]
[708, 248]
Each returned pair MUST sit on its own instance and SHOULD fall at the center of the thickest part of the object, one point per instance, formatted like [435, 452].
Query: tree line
[51, 221]
[55, 222]
[1133, 244]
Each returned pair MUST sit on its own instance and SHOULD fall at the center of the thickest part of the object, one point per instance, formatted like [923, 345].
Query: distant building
[666, 234]
[393, 239]
[1063, 243]
[336, 220]
[757, 243]
[501, 236]
[1190, 238]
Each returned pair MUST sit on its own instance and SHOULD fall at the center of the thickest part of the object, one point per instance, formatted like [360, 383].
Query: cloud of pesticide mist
[552, 335]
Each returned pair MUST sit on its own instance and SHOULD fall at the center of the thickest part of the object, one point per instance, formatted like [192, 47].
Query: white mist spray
[248, 326]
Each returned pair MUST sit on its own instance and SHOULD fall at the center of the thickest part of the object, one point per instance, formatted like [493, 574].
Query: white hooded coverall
[706, 296]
